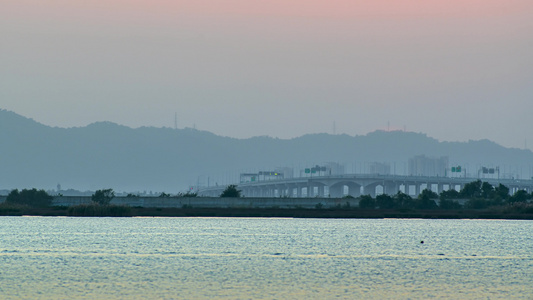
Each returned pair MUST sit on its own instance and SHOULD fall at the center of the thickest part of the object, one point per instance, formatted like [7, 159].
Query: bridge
[337, 186]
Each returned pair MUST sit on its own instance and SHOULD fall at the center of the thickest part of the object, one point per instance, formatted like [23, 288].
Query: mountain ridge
[106, 154]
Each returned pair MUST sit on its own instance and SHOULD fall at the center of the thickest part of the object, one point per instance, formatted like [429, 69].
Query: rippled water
[238, 258]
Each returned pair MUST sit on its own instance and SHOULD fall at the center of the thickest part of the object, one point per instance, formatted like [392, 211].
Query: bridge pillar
[440, 188]
[405, 188]
[282, 191]
[278, 192]
[391, 188]
[299, 191]
[291, 191]
[354, 190]
[336, 191]
[310, 191]
[370, 190]
[321, 191]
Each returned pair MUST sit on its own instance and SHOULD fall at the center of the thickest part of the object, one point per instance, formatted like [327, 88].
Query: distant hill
[105, 154]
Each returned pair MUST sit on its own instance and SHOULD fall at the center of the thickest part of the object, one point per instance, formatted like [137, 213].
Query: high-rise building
[333, 168]
[422, 165]
[379, 168]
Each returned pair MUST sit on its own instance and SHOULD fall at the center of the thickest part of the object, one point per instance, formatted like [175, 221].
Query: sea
[264, 258]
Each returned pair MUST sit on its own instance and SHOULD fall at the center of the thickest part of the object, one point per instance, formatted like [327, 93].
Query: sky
[456, 70]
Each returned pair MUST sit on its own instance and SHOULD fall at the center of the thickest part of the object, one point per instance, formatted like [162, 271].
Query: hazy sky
[454, 69]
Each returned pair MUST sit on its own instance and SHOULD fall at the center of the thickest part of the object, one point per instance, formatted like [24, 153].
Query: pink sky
[298, 8]
[359, 63]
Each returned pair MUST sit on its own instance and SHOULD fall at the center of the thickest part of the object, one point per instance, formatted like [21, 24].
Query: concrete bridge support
[321, 191]
[407, 188]
[370, 189]
[404, 188]
[299, 191]
[354, 190]
[341, 189]
[391, 188]
[440, 188]
[316, 190]
[338, 186]
[417, 189]
[336, 191]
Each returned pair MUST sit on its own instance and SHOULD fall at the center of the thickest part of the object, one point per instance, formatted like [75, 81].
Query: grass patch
[10, 209]
[95, 210]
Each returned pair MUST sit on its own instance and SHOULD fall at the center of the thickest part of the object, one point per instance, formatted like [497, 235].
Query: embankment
[213, 202]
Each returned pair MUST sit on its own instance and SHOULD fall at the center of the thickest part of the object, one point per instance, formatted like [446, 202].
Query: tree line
[478, 195]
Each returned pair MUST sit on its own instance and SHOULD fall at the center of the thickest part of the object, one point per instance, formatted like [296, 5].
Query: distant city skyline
[454, 70]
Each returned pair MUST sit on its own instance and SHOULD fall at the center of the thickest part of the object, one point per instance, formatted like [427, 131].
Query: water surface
[244, 258]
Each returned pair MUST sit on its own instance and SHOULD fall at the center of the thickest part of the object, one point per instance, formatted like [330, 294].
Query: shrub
[367, 201]
[231, 192]
[385, 201]
[519, 196]
[10, 209]
[426, 200]
[477, 203]
[404, 201]
[190, 195]
[449, 204]
[33, 198]
[103, 197]
[425, 203]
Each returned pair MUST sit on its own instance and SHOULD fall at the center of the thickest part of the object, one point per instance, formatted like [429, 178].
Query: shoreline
[327, 213]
